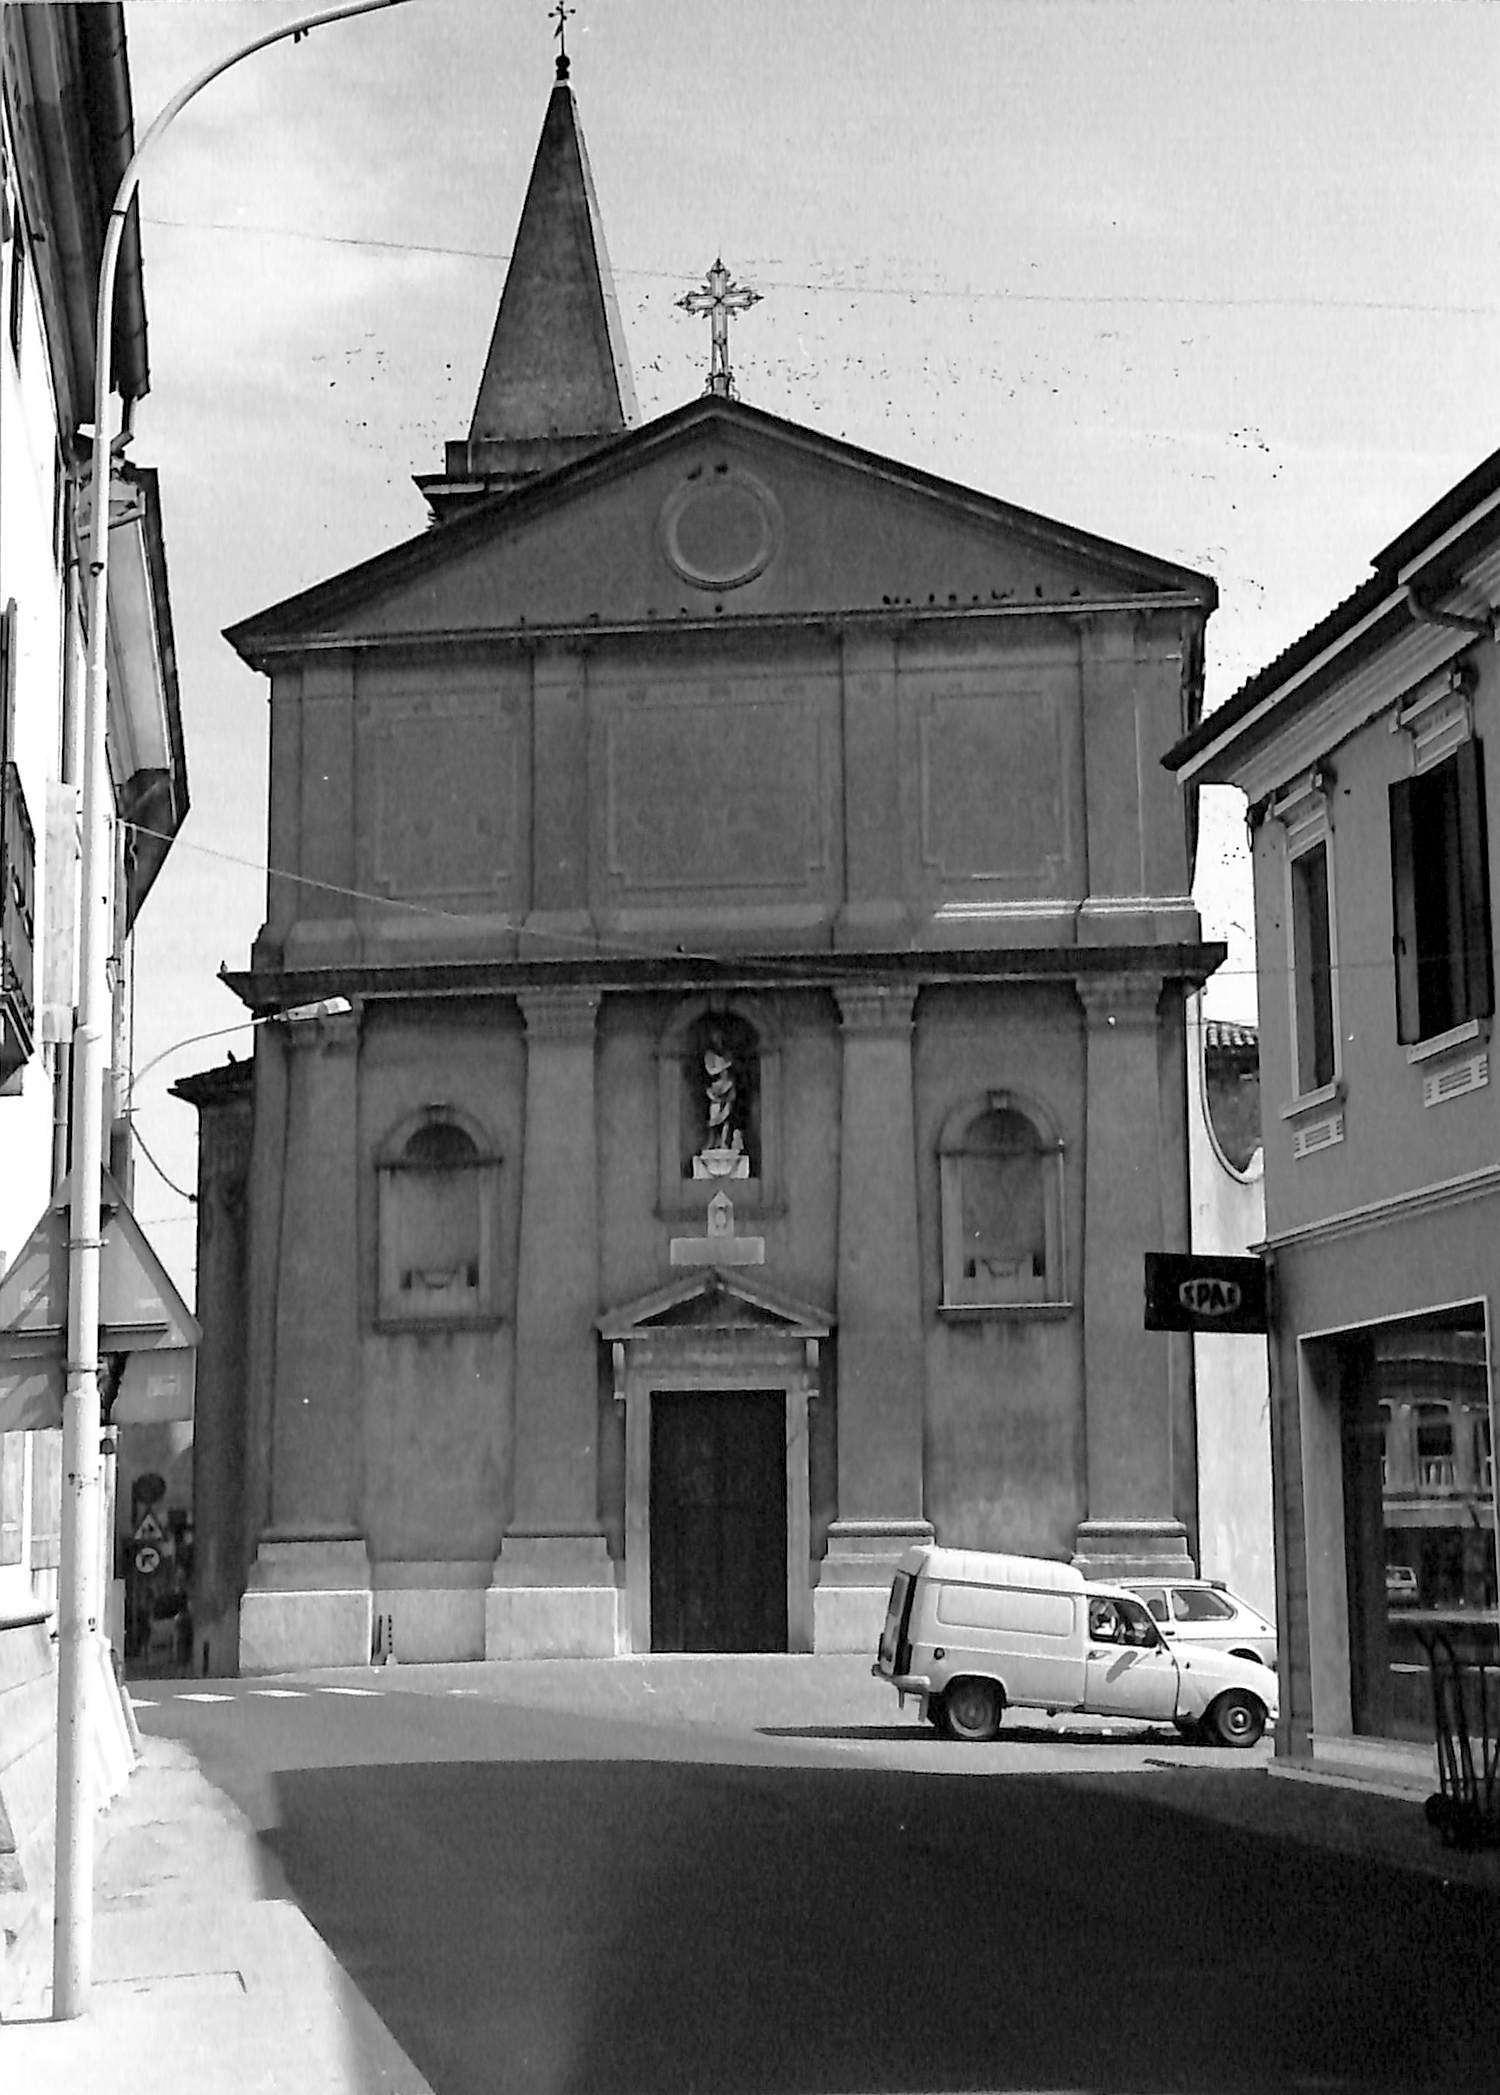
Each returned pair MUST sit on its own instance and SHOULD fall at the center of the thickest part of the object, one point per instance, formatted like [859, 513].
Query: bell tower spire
[556, 382]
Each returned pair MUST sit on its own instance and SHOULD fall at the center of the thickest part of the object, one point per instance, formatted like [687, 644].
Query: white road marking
[347, 1691]
[204, 1695]
[292, 1694]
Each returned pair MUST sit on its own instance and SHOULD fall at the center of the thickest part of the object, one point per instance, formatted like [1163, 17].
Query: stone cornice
[1397, 1207]
[270, 654]
[269, 990]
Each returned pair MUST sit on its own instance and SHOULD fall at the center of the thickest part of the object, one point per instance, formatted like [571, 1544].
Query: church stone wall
[807, 790]
[438, 1404]
[1003, 1443]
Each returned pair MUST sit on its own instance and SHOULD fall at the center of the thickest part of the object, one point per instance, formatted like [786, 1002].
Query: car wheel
[1236, 1719]
[972, 1710]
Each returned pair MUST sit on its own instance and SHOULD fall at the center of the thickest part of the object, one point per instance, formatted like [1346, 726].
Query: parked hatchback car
[1203, 1612]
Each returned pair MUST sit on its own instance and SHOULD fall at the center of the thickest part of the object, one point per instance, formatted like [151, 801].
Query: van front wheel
[972, 1710]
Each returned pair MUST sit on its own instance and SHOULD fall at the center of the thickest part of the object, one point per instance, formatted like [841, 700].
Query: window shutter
[46, 1499]
[12, 1487]
[8, 682]
[1474, 882]
[1404, 913]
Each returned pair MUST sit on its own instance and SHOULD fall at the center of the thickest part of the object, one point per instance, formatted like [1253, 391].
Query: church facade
[724, 1059]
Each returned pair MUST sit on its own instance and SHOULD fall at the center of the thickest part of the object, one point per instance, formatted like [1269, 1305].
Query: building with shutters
[1365, 752]
[67, 138]
[764, 927]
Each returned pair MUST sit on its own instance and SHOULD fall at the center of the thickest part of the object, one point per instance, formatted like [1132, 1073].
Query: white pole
[79, 1608]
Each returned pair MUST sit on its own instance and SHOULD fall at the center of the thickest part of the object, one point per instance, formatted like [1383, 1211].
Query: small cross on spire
[563, 12]
[719, 296]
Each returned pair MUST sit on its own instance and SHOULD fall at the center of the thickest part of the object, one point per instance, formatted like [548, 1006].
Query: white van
[970, 1634]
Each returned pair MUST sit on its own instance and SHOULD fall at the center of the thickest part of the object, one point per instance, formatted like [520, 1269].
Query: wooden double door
[718, 1520]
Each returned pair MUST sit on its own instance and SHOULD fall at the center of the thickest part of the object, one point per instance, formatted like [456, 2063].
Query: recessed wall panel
[717, 788]
[445, 780]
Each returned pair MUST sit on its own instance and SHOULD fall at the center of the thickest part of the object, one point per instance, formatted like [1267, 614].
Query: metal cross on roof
[563, 13]
[718, 296]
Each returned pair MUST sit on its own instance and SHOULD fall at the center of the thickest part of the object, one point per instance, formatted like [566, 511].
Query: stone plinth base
[552, 1597]
[429, 1612]
[1133, 1549]
[854, 1585]
[309, 1603]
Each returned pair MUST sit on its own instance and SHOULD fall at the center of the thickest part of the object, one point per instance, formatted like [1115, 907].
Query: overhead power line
[843, 287]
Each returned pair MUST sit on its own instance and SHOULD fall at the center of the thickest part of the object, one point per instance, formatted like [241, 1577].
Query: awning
[141, 1315]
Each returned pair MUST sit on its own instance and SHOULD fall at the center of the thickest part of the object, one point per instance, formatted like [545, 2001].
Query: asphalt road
[541, 1898]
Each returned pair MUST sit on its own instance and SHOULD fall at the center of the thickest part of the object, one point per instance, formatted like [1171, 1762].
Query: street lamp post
[79, 1585]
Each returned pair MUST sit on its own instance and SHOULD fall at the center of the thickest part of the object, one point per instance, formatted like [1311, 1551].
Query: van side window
[1104, 1622]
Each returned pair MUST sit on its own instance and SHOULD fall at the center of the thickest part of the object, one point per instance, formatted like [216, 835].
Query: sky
[1213, 279]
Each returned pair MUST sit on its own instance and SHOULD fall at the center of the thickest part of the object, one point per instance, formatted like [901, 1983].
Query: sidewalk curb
[199, 1957]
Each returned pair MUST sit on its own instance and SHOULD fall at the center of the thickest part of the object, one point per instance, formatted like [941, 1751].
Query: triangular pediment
[716, 513]
[715, 1299]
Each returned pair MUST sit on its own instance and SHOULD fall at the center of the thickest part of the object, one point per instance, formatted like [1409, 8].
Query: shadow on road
[541, 1925]
[1011, 1735]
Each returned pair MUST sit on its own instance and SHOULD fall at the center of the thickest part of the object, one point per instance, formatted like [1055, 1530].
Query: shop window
[1440, 897]
[719, 1070]
[438, 1226]
[1001, 1172]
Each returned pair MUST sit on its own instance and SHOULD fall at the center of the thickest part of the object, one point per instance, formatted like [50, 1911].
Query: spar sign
[1192, 1292]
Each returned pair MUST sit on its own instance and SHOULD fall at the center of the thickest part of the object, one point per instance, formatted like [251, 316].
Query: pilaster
[559, 899]
[309, 1601]
[315, 1430]
[1132, 1527]
[324, 930]
[1112, 760]
[552, 1591]
[874, 912]
[881, 1363]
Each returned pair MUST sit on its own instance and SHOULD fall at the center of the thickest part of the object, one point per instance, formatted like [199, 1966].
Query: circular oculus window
[720, 530]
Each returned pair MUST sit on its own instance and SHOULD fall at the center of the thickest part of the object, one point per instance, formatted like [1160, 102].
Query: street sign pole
[81, 1542]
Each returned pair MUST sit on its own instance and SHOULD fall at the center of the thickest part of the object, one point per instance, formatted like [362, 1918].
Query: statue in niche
[723, 1153]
